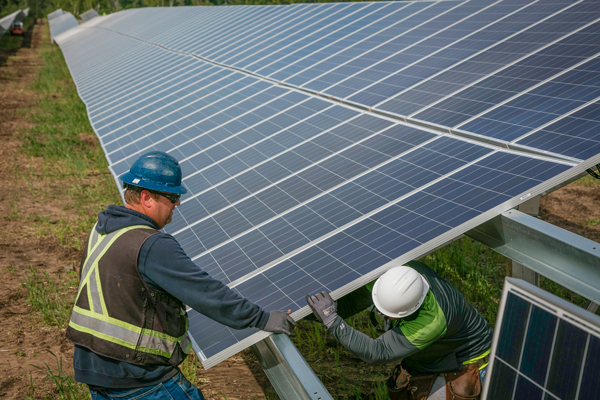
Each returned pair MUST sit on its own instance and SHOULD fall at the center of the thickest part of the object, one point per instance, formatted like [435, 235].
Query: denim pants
[176, 388]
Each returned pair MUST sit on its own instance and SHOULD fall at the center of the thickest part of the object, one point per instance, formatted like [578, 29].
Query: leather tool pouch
[464, 384]
[402, 385]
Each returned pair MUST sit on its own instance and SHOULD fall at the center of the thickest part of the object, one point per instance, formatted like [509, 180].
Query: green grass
[587, 181]
[74, 173]
[50, 299]
[63, 136]
[65, 386]
[475, 270]
[11, 43]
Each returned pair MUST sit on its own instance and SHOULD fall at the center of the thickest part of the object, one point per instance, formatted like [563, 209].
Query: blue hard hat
[155, 171]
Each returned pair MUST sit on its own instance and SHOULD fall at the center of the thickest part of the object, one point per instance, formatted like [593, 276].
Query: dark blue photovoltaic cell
[325, 60]
[413, 28]
[435, 53]
[567, 358]
[320, 32]
[388, 143]
[350, 201]
[316, 51]
[574, 136]
[526, 390]
[538, 345]
[457, 108]
[514, 322]
[501, 381]
[542, 105]
[590, 384]
[326, 14]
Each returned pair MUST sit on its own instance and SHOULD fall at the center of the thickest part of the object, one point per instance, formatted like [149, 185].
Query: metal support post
[530, 207]
[288, 371]
[562, 256]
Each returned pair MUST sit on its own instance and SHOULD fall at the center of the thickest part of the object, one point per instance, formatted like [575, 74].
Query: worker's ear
[146, 199]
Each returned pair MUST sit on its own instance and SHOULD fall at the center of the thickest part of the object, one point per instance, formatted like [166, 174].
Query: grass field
[73, 159]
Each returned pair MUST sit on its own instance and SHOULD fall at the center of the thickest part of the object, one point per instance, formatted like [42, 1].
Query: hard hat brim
[133, 180]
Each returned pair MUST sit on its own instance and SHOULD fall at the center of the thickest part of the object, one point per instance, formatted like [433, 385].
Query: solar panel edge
[416, 253]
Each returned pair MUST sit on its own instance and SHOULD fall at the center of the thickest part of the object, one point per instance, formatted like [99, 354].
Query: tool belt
[464, 384]
[401, 385]
[460, 385]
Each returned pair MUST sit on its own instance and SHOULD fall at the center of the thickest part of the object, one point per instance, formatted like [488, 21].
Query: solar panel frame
[555, 316]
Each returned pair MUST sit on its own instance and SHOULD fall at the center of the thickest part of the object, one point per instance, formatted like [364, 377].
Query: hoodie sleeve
[164, 264]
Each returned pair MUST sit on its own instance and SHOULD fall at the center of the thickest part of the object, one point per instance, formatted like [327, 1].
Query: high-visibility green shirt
[440, 336]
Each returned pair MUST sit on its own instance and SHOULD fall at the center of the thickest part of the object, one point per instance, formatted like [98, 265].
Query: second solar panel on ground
[289, 193]
[546, 348]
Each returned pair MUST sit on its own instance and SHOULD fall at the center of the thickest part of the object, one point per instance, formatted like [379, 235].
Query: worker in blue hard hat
[129, 322]
[430, 328]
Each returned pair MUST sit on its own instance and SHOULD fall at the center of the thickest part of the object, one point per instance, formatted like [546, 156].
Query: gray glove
[324, 308]
[280, 322]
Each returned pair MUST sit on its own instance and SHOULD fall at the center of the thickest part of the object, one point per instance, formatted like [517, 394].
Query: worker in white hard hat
[431, 330]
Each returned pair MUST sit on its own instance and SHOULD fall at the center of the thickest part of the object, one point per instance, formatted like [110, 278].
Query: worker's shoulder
[421, 268]
[162, 241]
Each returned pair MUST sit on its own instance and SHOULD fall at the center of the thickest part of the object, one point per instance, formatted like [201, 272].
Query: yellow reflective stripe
[479, 357]
[85, 279]
[100, 294]
[125, 325]
[101, 335]
[115, 340]
[89, 295]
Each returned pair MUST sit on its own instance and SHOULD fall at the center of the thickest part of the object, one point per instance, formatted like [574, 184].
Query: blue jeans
[176, 388]
[482, 373]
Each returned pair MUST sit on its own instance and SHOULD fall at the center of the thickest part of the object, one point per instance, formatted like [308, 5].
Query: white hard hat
[400, 291]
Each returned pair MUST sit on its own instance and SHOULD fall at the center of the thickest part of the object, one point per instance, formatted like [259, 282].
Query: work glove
[324, 308]
[280, 322]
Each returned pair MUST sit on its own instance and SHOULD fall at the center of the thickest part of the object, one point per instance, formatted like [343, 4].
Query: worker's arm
[164, 265]
[412, 334]
[389, 347]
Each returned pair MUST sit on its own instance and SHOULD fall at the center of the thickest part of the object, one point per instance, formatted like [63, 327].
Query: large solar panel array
[319, 142]
[546, 348]
[60, 23]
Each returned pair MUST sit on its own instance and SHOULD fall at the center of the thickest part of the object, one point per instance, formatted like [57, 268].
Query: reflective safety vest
[116, 313]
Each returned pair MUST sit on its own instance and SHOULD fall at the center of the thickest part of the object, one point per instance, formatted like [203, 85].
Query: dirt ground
[23, 342]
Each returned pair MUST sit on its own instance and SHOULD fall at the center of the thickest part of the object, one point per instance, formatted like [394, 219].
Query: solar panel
[61, 23]
[55, 13]
[545, 348]
[7, 21]
[89, 14]
[301, 136]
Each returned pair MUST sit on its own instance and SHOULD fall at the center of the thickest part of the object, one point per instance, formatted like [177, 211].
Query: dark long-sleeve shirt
[445, 332]
[163, 265]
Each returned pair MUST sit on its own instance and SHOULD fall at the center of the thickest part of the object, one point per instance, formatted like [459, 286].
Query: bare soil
[24, 342]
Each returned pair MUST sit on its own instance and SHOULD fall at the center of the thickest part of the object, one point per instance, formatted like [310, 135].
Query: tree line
[40, 8]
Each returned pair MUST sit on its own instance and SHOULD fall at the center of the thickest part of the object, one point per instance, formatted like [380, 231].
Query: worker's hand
[280, 322]
[324, 308]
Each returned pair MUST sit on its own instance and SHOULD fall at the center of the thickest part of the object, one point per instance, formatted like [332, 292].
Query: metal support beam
[562, 256]
[288, 371]
[517, 270]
